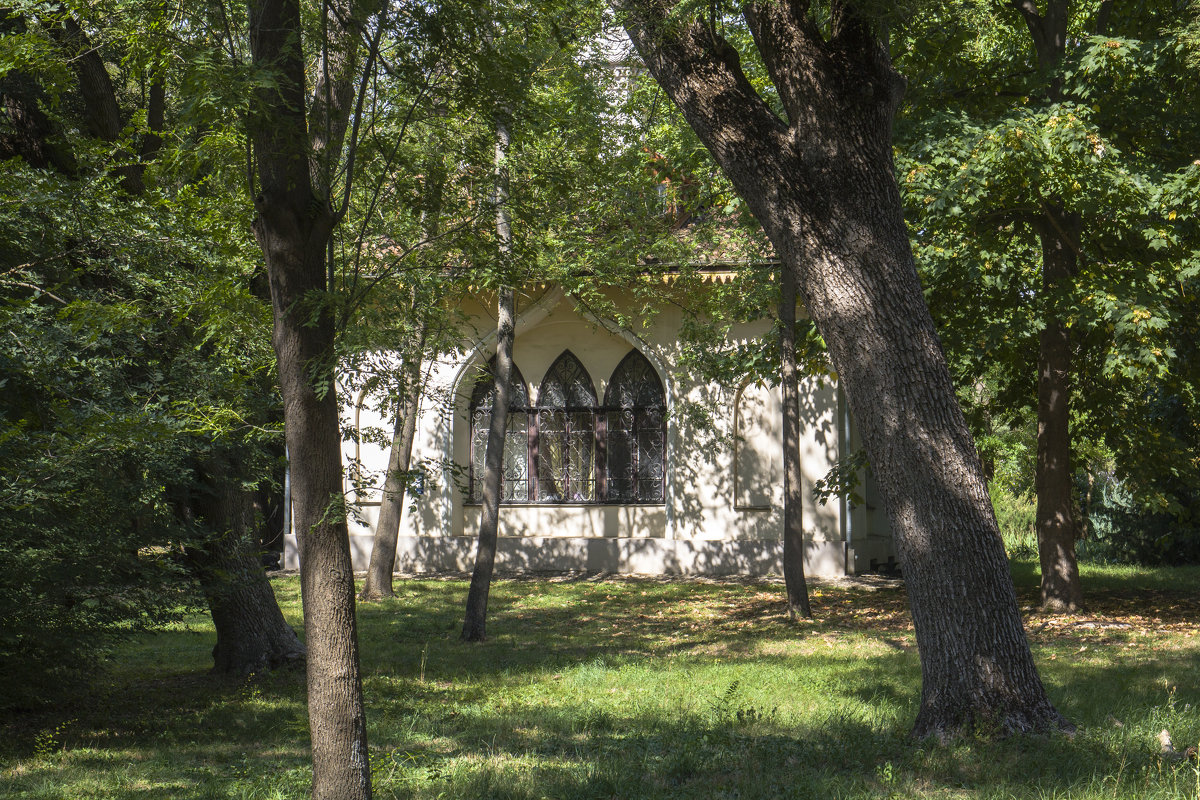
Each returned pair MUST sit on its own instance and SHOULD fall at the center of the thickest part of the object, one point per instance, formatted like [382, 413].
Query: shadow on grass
[631, 689]
[729, 745]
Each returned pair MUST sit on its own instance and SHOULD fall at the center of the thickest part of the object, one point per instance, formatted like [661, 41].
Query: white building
[616, 460]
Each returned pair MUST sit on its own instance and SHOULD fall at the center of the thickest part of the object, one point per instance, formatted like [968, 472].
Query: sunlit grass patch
[638, 689]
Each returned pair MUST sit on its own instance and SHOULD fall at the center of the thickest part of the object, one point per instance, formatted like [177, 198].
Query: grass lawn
[623, 688]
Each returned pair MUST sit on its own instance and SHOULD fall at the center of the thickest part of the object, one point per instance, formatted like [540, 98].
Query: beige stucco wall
[724, 461]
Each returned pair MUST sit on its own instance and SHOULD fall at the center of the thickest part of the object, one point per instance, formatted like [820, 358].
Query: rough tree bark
[252, 635]
[104, 119]
[293, 225]
[822, 185]
[378, 583]
[475, 619]
[1059, 233]
[793, 496]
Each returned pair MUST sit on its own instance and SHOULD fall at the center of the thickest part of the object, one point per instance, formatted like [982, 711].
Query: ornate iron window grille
[568, 449]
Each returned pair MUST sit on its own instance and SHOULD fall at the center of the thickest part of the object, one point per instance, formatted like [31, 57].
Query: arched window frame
[565, 441]
[565, 448]
[635, 428]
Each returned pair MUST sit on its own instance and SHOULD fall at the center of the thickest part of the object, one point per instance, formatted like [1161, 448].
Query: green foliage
[986, 146]
[843, 479]
[1016, 515]
[1122, 530]
[131, 353]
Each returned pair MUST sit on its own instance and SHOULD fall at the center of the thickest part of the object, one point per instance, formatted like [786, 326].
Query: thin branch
[352, 148]
[40, 290]
[388, 161]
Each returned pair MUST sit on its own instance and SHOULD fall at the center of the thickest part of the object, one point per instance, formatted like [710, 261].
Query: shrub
[1016, 514]
[1123, 531]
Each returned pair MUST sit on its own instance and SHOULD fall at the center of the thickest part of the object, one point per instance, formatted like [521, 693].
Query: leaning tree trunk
[475, 621]
[793, 496]
[294, 225]
[1061, 589]
[252, 635]
[823, 188]
[378, 583]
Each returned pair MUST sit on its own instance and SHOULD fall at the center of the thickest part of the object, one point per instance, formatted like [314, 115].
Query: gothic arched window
[635, 441]
[516, 484]
[566, 434]
[570, 449]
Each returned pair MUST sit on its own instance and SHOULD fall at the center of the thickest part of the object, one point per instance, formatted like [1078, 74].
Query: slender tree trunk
[1060, 235]
[378, 583]
[293, 226]
[822, 185]
[252, 635]
[475, 621]
[793, 496]
[304, 350]
[156, 109]
[1061, 589]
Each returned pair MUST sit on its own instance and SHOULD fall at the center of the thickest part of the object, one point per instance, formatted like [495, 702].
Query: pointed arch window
[568, 448]
[516, 485]
[635, 427]
[566, 434]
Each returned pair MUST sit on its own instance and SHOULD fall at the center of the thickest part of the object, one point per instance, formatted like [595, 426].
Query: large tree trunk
[252, 635]
[1061, 590]
[293, 226]
[378, 583]
[822, 186]
[793, 495]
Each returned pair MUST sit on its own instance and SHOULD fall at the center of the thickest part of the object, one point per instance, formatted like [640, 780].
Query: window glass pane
[581, 468]
[650, 456]
[566, 433]
[634, 384]
[567, 384]
[619, 452]
[481, 419]
[635, 444]
[552, 428]
[516, 458]
[515, 483]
